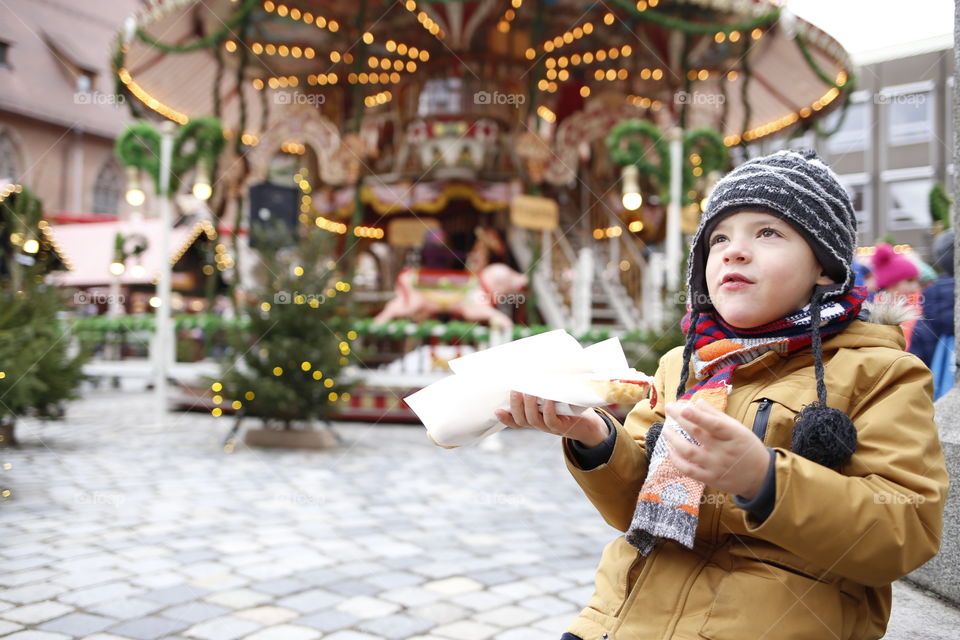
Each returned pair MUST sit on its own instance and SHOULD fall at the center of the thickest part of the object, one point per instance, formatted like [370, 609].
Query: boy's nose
[735, 253]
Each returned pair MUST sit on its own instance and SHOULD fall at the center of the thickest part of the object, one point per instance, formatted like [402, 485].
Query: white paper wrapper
[459, 410]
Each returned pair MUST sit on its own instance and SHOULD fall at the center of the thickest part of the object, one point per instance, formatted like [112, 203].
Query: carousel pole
[164, 337]
[352, 239]
[673, 240]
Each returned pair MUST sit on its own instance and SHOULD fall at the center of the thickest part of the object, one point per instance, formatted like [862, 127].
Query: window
[854, 133]
[440, 95]
[909, 113]
[107, 189]
[909, 203]
[858, 186]
[8, 159]
[4, 54]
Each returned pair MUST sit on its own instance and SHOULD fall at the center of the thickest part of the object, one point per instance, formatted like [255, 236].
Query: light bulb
[631, 188]
[31, 246]
[117, 268]
[202, 191]
[136, 197]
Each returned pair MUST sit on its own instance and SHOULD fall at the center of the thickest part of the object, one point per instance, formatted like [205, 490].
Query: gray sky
[876, 29]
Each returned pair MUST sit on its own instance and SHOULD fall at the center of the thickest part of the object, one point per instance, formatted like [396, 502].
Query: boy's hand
[588, 427]
[731, 458]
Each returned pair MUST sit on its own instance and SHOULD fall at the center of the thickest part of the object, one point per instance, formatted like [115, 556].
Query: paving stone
[194, 612]
[453, 586]
[175, 595]
[395, 579]
[37, 635]
[80, 624]
[397, 627]
[33, 593]
[410, 596]
[34, 613]
[9, 627]
[280, 587]
[352, 635]
[510, 616]
[89, 578]
[101, 593]
[239, 598]
[310, 601]
[149, 628]
[125, 609]
[465, 630]
[441, 612]
[331, 620]
[18, 578]
[223, 628]
[268, 615]
[526, 633]
[285, 632]
[365, 607]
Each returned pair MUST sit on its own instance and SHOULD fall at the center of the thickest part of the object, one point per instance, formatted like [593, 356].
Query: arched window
[107, 189]
[8, 159]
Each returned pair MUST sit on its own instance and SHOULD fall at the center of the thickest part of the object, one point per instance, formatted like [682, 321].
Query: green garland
[630, 151]
[92, 328]
[848, 87]
[139, 146]
[700, 28]
[714, 156]
[211, 39]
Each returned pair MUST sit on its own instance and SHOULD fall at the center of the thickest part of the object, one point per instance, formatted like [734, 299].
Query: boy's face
[777, 269]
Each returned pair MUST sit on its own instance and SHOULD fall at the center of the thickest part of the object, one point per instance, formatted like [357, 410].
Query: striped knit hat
[799, 188]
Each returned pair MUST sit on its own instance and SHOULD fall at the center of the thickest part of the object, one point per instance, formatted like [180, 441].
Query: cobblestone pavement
[120, 529]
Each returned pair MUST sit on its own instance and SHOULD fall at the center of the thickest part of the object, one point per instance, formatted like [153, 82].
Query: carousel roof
[745, 68]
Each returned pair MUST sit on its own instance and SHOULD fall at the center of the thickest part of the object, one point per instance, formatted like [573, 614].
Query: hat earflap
[822, 434]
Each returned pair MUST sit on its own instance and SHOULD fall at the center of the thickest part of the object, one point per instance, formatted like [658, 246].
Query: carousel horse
[421, 293]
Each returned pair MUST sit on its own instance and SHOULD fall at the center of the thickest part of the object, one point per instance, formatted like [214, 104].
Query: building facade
[58, 115]
[894, 144]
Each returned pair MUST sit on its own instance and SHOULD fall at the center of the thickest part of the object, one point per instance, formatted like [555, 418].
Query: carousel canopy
[745, 68]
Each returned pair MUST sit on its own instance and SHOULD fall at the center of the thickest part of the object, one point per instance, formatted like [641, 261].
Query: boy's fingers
[516, 406]
[685, 450]
[534, 417]
[505, 417]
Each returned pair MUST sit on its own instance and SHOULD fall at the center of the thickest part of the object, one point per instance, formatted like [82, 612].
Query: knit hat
[891, 268]
[943, 251]
[927, 274]
[799, 188]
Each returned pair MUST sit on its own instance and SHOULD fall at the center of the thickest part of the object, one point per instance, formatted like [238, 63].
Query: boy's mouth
[735, 280]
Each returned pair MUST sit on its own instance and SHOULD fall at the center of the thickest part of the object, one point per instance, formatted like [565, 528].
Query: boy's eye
[772, 232]
[716, 239]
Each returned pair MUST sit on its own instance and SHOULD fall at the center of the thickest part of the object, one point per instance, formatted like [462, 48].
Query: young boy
[806, 475]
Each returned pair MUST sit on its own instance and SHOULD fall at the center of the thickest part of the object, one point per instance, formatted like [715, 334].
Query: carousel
[487, 169]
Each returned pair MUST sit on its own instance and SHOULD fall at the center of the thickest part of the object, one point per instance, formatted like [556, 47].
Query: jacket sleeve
[884, 518]
[613, 487]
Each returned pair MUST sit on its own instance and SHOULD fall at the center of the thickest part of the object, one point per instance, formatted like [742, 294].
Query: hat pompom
[824, 435]
[652, 434]
[883, 255]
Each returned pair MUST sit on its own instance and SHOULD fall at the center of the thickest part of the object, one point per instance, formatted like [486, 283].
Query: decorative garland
[830, 82]
[714, 156]
[139, 146]
[707, 142]
[91, 328]
[631, 152]
[699, 28]
[211, 39]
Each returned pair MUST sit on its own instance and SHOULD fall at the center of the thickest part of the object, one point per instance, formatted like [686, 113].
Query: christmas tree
[37, 370]
[287, 360]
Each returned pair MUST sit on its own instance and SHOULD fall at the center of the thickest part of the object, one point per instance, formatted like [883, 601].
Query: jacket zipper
[763, 415]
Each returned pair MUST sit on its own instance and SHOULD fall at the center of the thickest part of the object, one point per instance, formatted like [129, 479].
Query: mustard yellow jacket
[820, 566]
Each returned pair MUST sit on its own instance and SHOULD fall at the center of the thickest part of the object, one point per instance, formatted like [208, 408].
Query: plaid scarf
[668, 505]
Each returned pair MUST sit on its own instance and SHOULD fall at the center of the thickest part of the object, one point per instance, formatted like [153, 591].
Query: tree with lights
[38, 372]
[287, 360]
